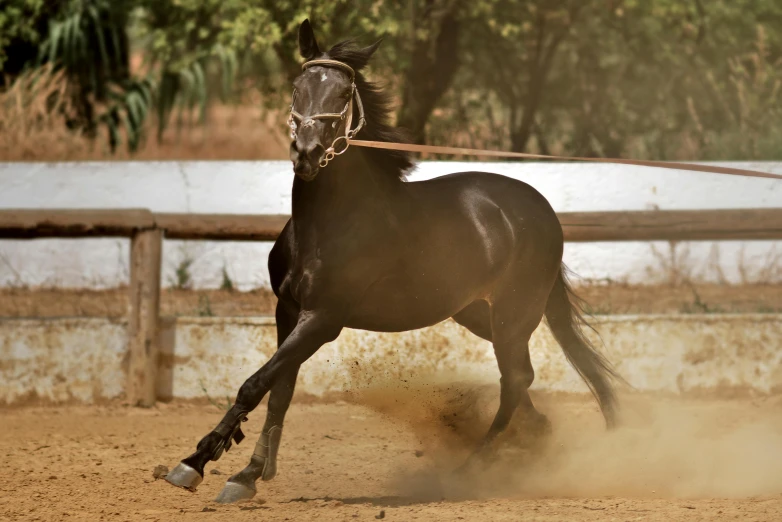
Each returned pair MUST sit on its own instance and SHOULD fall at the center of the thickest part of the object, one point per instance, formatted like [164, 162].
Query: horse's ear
[308, 46]
[370, 50]
[362, 56]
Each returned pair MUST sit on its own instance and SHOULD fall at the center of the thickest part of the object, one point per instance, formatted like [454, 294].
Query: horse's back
[520, 203]
[516, 223]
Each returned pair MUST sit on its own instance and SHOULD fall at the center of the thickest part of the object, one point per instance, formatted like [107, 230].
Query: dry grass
[32, 119]
[602, 299]
[32, 130]
[674, 266]
[233, 132]
[114, 302]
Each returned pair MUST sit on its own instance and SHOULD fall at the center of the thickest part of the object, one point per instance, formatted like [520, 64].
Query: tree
[88, 40]
[435, 31]
[647, 78]
[23, 23]
[515, 46]
[659, 79]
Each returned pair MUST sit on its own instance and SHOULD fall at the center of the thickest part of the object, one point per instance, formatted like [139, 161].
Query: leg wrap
[263, 465]
[266, 451]
[230, 430]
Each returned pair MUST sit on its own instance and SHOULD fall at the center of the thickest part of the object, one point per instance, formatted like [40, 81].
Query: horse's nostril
[315, 152]
[310, 151]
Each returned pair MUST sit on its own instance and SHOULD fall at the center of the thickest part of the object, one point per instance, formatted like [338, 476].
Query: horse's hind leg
[476, 317]
[513, 321]
[263, 463]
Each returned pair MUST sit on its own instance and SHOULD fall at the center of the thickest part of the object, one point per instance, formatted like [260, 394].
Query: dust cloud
[664, 447]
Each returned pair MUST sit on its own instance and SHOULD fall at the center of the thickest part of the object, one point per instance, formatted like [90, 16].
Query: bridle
[345, 115]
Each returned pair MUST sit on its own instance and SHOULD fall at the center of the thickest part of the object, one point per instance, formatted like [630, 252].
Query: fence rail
[667, 225]
[147, 230]
[673, 225]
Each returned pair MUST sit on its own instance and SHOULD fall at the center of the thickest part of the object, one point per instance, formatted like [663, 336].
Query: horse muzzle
[306, 158]
[304, 170]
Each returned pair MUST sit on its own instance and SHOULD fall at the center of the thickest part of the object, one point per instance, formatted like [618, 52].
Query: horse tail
[566, 322]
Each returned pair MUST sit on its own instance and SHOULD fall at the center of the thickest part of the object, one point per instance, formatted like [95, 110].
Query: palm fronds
[89, 42]
[187, 89]
[128, 108]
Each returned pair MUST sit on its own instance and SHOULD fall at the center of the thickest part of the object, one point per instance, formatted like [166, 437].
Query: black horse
[364, 249]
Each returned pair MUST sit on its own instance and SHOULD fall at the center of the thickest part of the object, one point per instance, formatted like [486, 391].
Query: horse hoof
[184, 476]
[235, 492]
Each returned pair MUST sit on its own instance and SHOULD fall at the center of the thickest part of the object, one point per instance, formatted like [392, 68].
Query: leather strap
[331, 63]
[410, 147]
[230, 427]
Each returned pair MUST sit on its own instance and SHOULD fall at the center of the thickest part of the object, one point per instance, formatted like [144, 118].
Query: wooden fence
[147, 230]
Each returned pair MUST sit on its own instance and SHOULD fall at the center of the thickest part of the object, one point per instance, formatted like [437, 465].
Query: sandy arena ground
[389, 454]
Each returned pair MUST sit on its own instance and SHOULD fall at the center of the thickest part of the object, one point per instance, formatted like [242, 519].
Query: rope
[409, 147]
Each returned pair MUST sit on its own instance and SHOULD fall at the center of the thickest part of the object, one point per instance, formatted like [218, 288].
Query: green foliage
[181, 38]
[227, 284]
[18, 23]
[750, 102]
[698, 306]
[204, 48]
[204, 306]
[129, 105]
[183, 280]
[88, 40]
[521, 40]
[662, 79]
[654, 79]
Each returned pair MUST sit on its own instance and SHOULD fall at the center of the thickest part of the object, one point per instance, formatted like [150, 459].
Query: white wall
[81, 359]
[264, 187]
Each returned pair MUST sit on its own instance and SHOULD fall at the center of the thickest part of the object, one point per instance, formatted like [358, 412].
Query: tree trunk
[434, 63]
[520, 133]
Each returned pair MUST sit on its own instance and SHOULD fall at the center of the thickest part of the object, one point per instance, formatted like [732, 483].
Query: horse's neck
[344, 190]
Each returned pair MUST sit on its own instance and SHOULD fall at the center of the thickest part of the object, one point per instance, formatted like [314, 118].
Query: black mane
[377, 109]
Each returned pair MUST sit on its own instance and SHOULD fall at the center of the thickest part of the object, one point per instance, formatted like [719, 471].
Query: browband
[331, 63]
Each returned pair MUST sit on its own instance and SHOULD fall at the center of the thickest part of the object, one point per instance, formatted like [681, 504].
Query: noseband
[345, 115]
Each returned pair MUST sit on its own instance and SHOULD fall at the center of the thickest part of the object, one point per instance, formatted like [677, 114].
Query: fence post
[145, 258]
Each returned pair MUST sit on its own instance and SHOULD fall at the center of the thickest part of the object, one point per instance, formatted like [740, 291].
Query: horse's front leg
[313, 329]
